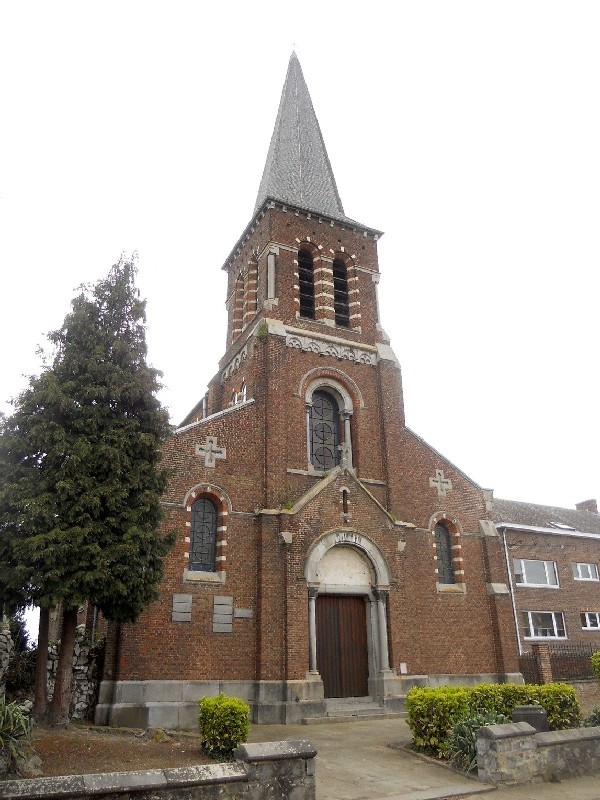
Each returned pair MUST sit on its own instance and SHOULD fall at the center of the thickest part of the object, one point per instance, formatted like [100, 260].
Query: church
[324, 551]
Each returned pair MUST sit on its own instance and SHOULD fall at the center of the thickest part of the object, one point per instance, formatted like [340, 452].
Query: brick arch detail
[223, 505]
[307, 244]
[338, 379]
[452, 524]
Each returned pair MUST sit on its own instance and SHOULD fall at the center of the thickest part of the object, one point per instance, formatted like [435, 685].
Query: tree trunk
[58, 713]
[40, 700]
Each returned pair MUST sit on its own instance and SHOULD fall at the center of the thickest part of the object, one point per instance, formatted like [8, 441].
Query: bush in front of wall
[463, 741]
[224, 725]
[596, 664]
[432, 713]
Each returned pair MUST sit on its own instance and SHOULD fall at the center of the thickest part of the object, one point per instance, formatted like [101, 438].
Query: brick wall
[572, 596]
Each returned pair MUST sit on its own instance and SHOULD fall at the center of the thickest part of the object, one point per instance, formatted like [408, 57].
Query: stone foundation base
[174, 704]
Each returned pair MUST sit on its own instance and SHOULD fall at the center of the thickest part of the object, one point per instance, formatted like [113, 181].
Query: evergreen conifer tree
[80, 460]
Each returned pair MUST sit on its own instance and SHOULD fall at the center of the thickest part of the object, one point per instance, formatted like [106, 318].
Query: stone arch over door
[346, 564]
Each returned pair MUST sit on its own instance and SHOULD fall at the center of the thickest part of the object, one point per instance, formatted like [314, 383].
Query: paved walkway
[356, 762]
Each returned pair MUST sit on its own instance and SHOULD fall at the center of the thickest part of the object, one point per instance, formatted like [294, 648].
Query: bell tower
[304, 276]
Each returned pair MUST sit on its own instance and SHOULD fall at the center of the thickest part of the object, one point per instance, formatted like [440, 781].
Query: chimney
[587, 505]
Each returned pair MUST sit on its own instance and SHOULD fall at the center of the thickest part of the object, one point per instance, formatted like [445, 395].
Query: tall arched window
[203, 536]
[443, 551]
[340, 293]
[324, 431]
[307, 284]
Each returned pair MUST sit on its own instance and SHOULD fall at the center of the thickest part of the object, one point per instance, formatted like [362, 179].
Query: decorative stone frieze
[235, 363]
[325, 348]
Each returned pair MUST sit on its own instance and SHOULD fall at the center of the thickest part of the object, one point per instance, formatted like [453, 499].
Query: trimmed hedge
[596, 664]
[432, 713]
[223, 723]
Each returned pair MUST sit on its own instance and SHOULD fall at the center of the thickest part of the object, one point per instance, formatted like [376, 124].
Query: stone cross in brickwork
[443, 485]
[210, 451]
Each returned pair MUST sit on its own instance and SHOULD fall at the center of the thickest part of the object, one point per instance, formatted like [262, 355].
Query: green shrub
[432, 713]
[223, 723]
[463, 741]
[596, 664]
[15, 730]
[20, 675]
[593, 720]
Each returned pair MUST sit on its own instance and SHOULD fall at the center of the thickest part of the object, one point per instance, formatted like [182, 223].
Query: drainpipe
[512, 592]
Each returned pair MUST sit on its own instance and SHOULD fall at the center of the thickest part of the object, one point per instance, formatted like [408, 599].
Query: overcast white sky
[468, 131]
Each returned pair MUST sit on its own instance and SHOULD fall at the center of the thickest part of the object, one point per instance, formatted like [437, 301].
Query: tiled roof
[543, 516]
[297, 170]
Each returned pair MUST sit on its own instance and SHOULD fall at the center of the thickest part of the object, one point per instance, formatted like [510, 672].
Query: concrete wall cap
[506, 731]
[121, 781]
[275, 751]
[206, 774]
[570, 735]
[67, 786]
[104, 783]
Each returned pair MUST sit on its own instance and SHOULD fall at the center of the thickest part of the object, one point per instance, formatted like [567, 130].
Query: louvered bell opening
[307, 284]
[340, 294]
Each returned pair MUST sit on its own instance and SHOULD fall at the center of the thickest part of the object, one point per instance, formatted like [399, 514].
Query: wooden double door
[342, 658]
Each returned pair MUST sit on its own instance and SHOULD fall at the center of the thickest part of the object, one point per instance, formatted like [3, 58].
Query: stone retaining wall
[273, 770]
[516, 753]
[6, 649]
[87, 658]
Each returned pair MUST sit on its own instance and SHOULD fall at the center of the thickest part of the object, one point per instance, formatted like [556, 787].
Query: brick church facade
[324, 550]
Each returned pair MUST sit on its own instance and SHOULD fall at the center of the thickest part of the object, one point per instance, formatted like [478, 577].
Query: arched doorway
[348, 582]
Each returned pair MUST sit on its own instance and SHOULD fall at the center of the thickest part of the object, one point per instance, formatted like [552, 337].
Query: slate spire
[297, 170]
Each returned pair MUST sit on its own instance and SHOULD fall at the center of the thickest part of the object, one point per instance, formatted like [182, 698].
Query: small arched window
[340, 293]
[307, 284]
[203, 536]
[443, 550]
[324, 431]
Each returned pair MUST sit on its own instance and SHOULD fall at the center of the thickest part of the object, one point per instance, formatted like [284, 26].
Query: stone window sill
[451, 588]
[193, 576]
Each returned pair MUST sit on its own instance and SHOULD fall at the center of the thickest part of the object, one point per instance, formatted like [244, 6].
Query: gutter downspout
[512, 592]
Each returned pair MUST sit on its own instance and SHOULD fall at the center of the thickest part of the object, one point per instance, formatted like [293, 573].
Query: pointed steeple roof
[297, 170]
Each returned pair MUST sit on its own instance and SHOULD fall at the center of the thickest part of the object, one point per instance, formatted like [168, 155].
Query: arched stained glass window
[340, 293]
[443, 550]
[307, 284]
[203, 536]
[324, 431]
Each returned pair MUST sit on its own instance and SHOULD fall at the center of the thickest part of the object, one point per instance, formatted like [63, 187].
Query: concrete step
[351, 718]
[349, 709]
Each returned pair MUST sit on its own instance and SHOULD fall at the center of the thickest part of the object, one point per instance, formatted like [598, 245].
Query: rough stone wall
[515, 753]
[87, 659]
[274, 770]
[6, 649]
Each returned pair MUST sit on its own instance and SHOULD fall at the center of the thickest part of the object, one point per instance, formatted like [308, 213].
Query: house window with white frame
[590, 620]
[535, 573]
[544, 625]
[585, 572]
